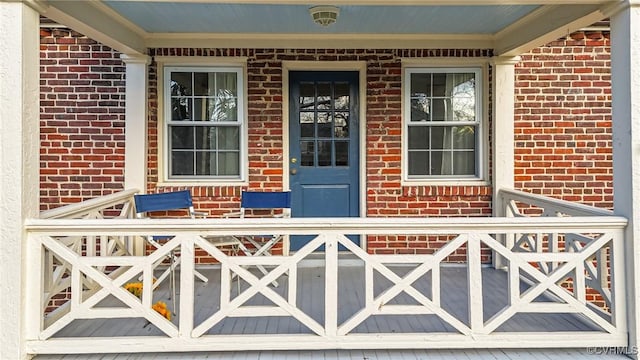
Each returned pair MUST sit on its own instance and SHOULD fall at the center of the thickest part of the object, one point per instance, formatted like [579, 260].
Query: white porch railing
[118, 205]
[588, 254]
[55, 274]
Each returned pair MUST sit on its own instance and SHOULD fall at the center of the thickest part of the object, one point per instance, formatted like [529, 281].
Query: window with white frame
[443, 120]
[204, 121]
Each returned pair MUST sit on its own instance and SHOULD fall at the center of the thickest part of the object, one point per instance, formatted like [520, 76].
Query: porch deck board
[310, 294]
[442, 354]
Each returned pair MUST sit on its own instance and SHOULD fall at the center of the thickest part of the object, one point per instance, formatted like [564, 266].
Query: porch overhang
[507, 27]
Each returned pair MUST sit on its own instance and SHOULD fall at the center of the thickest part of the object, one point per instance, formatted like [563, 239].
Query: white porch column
[625, 81]
[502, 132]
[19, 161]
[135, 152]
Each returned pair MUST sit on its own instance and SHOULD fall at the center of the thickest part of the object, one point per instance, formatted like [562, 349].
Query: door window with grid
[324, 123]
[204, 115]
[443, 123]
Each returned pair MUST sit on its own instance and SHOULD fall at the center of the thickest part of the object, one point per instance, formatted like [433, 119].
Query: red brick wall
[562, 129]
[563, 136]
[563, 120]
[81, 118]
[386, 197]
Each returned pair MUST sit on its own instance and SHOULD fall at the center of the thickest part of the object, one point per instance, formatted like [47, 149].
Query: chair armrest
[200, 213]
[233, 214]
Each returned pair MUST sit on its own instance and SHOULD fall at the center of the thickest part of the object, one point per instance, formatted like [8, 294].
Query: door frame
[356, 66]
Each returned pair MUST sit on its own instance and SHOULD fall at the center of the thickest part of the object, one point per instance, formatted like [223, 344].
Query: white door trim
[361, 68]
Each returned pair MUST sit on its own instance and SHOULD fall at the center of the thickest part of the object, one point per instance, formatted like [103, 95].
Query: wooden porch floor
[454, 295]
[350, 300]
[486, 354]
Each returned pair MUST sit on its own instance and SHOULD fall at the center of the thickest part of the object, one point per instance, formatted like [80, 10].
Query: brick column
[19, 147]
[625, 87]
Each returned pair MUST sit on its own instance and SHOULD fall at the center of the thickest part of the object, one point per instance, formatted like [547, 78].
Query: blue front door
[323, 150]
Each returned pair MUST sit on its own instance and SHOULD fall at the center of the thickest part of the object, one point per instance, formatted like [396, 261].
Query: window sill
[445, 182]
[203, 182]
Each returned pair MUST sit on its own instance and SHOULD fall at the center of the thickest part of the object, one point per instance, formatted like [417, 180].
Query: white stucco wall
[625, 80]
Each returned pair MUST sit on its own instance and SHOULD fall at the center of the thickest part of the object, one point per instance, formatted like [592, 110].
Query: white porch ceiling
[508, 26]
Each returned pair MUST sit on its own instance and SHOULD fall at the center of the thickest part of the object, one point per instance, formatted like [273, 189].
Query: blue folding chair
[275, 204]
[176, 200]
[166, 201]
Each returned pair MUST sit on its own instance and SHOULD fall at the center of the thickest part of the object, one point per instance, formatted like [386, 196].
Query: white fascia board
[93, 21]
[547, 24]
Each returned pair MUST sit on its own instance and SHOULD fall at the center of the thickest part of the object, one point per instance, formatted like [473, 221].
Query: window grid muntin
[325, 106]
[410, 123]
[236, 122]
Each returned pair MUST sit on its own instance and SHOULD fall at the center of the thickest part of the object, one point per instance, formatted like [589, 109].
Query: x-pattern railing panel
[258, 285]
[375, 306]
[58, 276]
[82, 267]
[594, 272]
[546, 282]
[597, 270]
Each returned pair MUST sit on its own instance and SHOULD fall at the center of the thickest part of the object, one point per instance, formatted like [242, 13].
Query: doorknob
[294, 160]
[294, 171]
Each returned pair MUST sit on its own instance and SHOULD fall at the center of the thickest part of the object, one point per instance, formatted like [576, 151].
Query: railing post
[501, 211]
[34, 289]
[618, 282]
[474, 279]
[187, 274]
[331, 286]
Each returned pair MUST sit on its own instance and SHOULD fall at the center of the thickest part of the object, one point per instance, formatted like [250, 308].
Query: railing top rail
[314, 225]
[563, 206]
[87, 206]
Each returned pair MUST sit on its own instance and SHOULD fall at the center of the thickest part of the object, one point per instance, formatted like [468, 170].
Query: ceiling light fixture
[324, 15]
